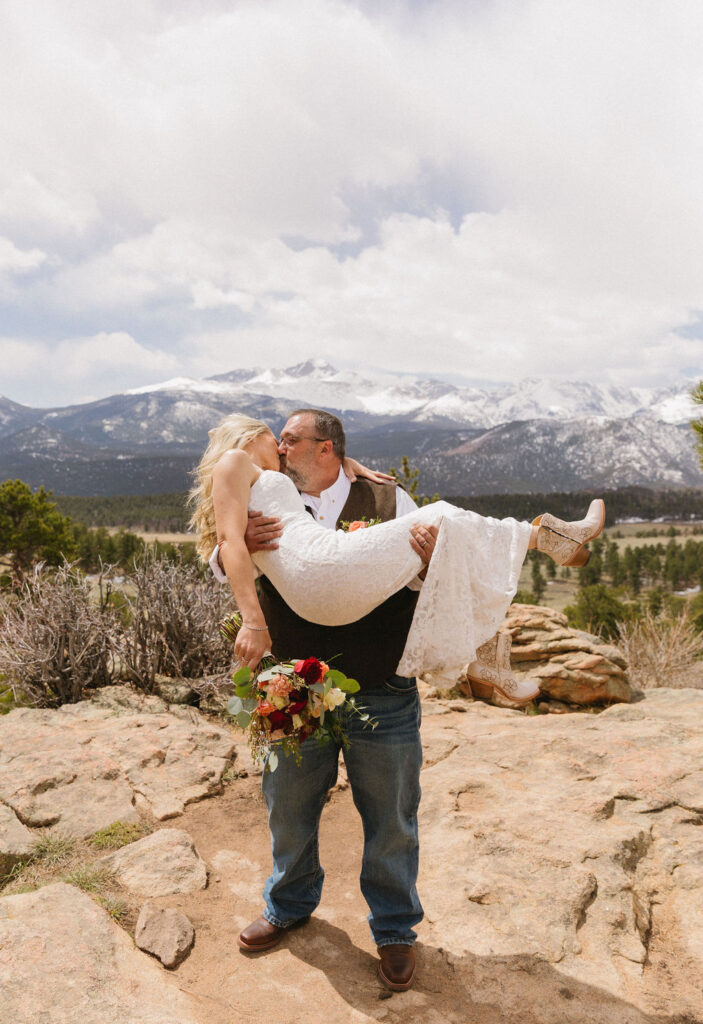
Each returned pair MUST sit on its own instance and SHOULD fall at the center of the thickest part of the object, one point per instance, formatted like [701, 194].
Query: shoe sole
[395, 986]
[260, 947]
[485, 691]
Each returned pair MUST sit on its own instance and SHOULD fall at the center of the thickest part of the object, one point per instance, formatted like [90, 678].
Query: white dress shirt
[326, 508]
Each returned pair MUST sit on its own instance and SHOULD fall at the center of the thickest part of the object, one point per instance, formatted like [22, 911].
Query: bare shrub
[173, 628]
[662, 651]
[55, 638]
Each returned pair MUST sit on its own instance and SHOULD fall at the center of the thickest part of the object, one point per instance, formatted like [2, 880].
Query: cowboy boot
[564, 542]
[490, 676]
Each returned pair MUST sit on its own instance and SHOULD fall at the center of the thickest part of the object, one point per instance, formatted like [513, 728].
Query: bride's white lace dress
[332, 578]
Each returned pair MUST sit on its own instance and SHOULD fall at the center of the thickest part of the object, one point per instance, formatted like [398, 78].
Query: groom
[383, 764]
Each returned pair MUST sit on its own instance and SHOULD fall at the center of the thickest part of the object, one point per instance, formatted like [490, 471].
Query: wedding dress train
[332, 578]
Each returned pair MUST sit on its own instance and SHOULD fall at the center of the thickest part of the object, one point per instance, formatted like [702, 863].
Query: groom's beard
[298, 478]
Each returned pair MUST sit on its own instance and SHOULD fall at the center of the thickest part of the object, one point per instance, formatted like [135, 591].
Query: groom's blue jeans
[383, 766]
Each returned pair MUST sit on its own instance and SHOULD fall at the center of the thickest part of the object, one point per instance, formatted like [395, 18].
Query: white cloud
[166, 161]
[17, 261]
[84, 368]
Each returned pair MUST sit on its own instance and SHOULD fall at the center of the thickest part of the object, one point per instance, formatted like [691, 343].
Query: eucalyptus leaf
[316, 688]
[264, 677]
[242, 675]
[234, 706]
[249, 703]
[243, 719]
[349, 686]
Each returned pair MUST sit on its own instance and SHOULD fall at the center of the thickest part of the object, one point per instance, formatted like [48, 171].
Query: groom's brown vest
[369, 650]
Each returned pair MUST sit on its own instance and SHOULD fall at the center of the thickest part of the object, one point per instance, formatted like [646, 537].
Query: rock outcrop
[64, 960]
[570, 840]
[567, 664]
[84, 766]
[163, 864]
[15, 840]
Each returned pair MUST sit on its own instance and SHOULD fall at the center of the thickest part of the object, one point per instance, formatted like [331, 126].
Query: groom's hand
[262, 532]
[422, 541]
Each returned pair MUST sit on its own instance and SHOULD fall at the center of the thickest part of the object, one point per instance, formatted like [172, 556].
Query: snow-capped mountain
[318, 383]
[537, 435]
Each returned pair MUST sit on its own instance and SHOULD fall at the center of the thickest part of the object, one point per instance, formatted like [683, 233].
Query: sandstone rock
[84, 766]
[567, 664]
[64, 961]
[15, 840]
[570, 840]
[162, 864]
[167, 934]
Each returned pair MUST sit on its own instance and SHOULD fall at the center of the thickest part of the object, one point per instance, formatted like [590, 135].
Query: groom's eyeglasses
[292, 439]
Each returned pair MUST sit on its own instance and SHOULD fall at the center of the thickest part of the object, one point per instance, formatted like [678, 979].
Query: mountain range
[537, 435]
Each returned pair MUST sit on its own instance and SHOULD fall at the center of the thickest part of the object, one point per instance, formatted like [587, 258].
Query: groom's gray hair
[327, 428]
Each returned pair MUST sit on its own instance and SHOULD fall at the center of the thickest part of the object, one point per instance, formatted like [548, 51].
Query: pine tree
[697, 396]
[409, 478]
[31, 528]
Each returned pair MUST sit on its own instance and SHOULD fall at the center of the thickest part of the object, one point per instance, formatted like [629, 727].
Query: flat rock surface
[83, 766]
[561, 869]
[64, 960]
[15, 839]
[163, 864]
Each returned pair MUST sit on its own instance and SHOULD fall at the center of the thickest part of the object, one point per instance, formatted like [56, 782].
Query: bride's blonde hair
[234, 431]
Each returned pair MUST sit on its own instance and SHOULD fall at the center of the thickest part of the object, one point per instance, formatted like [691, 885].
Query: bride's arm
[353, 469]
[231, 482]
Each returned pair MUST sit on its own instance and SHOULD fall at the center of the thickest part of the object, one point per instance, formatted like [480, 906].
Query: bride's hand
[251, 645]
[353, 469]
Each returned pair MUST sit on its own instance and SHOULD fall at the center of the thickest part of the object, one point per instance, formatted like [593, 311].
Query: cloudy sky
[488, 188]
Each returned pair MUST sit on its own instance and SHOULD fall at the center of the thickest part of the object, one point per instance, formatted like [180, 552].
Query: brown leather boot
[397, 966]
[260, 935]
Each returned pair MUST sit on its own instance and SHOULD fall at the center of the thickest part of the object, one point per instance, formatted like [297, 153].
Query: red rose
[310, 670]
[296, 707]
[280, 720]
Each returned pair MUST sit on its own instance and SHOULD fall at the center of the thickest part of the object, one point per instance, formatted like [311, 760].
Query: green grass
[53, 849]
[89, 877]
[117, 908]
[118, 834]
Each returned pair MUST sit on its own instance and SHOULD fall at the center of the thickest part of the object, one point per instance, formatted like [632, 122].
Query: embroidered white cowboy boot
[490, 677]
[564, 542]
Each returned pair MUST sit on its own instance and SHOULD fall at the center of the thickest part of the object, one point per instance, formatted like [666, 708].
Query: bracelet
[257, 629]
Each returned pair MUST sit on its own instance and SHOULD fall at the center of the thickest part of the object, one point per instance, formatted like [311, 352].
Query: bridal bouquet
[285, 702]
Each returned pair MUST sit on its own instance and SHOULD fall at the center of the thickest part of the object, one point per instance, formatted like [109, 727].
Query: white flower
[333, 699]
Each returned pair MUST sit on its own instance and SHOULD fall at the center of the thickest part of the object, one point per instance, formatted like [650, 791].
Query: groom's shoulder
[374, 500]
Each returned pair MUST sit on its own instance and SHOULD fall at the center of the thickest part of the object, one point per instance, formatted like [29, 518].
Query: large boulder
[84, 766]
[63, 960]
[163, 864]
[567, 664]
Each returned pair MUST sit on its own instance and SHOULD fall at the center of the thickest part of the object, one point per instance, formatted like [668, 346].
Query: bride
[333, 578]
